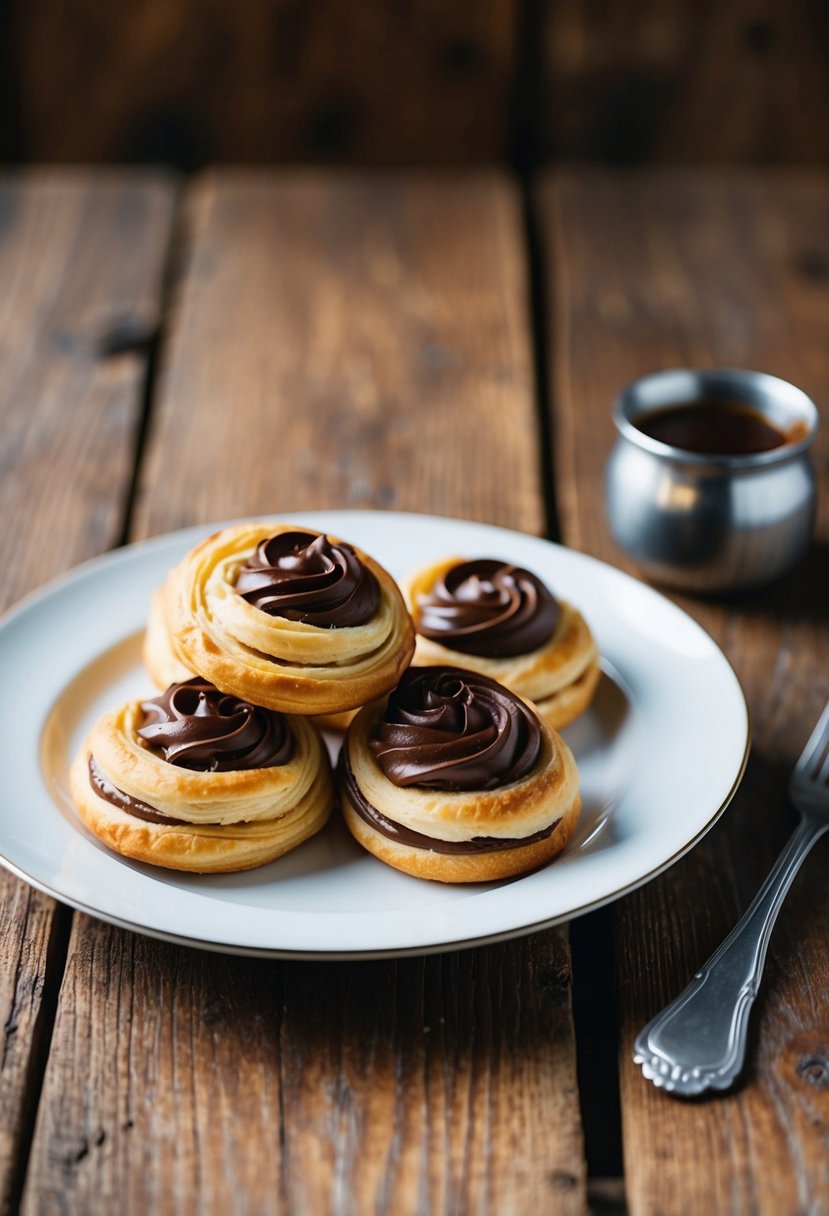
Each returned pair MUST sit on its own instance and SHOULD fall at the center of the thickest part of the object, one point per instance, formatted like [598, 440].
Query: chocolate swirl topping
[306, 577]
[489, 608]
[448, 729]
[195, 726]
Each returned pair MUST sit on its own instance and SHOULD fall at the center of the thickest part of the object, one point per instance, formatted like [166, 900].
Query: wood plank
[80, 262]
[378, 364]
[656, 269]
[350, 342]
[190, 82]
[693, 80]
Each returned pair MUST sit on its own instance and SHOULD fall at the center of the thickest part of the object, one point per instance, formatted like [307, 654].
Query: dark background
[414, 82]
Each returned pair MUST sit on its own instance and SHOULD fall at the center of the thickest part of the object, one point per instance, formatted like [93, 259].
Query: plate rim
[117, 555]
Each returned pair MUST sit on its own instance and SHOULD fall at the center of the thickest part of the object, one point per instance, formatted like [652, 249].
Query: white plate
[660, 753]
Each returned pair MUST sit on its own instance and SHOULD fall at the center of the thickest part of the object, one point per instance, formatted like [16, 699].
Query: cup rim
[775, 398]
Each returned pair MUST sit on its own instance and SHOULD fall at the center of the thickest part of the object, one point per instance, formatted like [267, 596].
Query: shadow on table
[802, 595]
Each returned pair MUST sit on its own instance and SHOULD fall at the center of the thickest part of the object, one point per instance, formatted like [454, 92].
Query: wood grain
[191, 82]
[80, 263]
[655, 269]
[335, 342]
[364, 345]
[194, 82]
[690, 80]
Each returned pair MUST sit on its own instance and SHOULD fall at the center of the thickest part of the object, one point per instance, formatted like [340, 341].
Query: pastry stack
[451, 768]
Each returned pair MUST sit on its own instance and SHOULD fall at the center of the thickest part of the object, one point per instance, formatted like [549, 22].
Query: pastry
[165, 669]
[160, 658]
[198, 780]
[455, 778]
[287, 618]
[501, 620]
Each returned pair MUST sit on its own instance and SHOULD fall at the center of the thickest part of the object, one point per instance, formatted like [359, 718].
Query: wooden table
[174, 353]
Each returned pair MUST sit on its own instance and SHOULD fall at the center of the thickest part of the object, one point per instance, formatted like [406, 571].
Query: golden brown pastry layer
[283, 664]
[480, 867]
[160, 658]
[563, 707]
[165, 669]
[560, 676]
[548, 796]
[223, 821]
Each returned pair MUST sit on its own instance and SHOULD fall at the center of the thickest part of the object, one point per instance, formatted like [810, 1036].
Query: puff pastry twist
[285, 618]
[502, 621]
[197, 780]
[454, 778]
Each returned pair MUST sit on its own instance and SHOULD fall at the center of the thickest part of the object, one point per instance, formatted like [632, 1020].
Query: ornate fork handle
[698, 1042]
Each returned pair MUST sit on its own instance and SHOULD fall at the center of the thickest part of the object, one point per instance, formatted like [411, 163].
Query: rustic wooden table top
[175, 353]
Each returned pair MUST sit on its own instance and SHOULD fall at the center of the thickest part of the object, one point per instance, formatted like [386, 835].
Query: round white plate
[660, 754]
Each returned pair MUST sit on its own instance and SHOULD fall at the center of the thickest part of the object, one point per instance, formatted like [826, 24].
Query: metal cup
[710, 522]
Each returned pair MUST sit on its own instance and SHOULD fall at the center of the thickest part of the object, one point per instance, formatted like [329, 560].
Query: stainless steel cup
[711, 523]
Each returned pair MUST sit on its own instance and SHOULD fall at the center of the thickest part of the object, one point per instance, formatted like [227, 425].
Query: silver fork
[698, 1042]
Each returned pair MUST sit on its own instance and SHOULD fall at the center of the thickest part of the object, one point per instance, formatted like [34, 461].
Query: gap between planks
[595, 1012]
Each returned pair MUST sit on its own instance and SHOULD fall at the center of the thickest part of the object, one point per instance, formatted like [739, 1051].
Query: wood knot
[123, 337]
[432, 355]
[759, 37]
[213, 1012]
[560, 1180]
[75, 1153]
[812, 264]
[167, 136]
[461, 59]
[102, 335]
[553, 980]
[333, 126]
[814, 1069]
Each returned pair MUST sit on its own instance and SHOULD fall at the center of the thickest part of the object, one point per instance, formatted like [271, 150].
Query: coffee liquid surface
[715, 428]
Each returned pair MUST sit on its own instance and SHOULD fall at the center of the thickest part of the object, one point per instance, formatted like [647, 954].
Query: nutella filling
[193, 725]
[403, 835]
[449, 729]
[489, 608]
[104, 788]
[307, 577]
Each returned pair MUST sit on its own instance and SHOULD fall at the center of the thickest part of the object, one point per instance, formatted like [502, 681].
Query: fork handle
[698, 1042]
